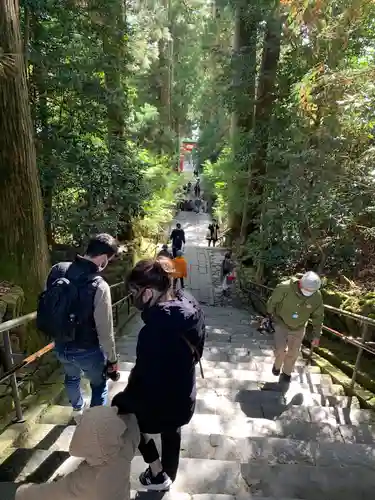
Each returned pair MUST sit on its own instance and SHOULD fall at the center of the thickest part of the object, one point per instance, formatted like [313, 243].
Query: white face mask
[306, 293]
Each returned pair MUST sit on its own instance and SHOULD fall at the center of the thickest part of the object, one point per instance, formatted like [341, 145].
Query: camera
[111, 371]
[266, 326]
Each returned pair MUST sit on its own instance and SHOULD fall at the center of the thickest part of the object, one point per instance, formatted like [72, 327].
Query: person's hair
[228, 255]
[152, 273]
[102, 244]
[178, 225]
[165, 247]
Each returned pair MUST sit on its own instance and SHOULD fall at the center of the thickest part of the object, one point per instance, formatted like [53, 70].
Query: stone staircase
[244, 441]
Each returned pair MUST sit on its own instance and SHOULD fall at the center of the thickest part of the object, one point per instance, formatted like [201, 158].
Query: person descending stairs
[242, 442]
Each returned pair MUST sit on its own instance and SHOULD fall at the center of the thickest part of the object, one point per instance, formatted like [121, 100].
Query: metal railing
[262, 293]
[222, 237]
[119, 298]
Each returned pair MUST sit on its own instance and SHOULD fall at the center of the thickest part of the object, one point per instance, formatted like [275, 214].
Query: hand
[111, 371]
[315, 343]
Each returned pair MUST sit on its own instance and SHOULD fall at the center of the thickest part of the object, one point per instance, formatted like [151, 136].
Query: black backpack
[63, 308]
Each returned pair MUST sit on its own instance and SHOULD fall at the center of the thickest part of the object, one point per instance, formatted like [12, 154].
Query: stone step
[201, 476]
[243, 379]
[309, 483]
[222, 447]
[295, 422]
[129, 355]
[225, 369]
[258, 365]
[176, 495]
[275, 450]
[8, 490]
[31, 465]
[195, 476]
[252, 345]
[228, 402]
[253, 405]
[239, 421]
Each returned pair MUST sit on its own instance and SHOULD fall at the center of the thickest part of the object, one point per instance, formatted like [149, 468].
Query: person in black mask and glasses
[161, 389]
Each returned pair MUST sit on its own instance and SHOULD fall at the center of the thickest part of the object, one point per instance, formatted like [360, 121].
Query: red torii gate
[186, 147]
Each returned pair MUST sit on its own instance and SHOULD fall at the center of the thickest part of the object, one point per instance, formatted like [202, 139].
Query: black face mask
[138, 301]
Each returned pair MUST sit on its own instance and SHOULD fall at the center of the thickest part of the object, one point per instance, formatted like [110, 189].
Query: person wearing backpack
[75, 311]
[178, 239]
[292, 304]
[161, 388]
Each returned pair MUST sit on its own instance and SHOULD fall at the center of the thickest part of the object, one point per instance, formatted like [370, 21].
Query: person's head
[101, 249]
[179, 253]
[178, 225]
[98, 436]
[309, 283]
[164, 247]
[228, 255]
[149, 280]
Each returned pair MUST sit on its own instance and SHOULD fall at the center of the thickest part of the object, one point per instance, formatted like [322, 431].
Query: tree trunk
[40, 114]
[263, 120]
[114, 46]
[23, 246]
[263, 117]
[244, 73]
[165, 78]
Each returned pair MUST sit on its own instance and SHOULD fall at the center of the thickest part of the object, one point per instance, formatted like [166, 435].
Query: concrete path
[199, 280]
[244, 442]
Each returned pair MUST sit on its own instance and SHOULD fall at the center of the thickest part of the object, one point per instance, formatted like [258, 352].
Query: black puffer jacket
[161, 389]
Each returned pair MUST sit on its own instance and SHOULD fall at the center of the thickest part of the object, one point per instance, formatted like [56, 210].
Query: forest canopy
[96, 96]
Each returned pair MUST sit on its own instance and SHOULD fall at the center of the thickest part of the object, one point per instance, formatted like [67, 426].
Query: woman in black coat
[161, 389]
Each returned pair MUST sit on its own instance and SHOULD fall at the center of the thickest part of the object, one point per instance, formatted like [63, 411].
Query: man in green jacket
[291, 305]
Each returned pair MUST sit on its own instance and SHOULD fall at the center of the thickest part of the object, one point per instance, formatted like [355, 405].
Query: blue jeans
[92, 363]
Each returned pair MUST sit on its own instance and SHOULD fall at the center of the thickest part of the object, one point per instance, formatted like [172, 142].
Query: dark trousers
[175, 280]
[170, 451]
[212, 241]
[174, 251]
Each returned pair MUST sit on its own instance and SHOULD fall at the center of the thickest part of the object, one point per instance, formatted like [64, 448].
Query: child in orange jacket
[180, 269]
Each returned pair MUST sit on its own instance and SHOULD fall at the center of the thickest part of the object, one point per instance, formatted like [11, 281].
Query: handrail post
[13, 379]
[357, 362]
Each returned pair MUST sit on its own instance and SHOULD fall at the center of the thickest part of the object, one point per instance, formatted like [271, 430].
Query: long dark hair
[152, 273]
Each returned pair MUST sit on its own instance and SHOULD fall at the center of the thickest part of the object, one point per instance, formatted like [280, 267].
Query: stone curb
[365, 397]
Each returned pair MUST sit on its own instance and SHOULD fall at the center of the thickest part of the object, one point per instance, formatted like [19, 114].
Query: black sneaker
[275, 372]
[161, 482]
[285, 379]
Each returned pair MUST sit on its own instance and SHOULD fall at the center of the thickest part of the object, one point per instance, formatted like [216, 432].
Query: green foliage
[94, 80]
[157, 209]
[314, 202]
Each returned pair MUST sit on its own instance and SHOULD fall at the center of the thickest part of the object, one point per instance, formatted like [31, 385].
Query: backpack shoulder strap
[195, 352]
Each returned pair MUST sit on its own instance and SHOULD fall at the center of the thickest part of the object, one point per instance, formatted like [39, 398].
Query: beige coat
[107, 443]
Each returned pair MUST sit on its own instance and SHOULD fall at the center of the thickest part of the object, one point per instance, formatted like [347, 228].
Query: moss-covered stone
[365, 397]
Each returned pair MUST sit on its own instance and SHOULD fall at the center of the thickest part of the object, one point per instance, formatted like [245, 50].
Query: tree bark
[114, 45]
[23, 246]
[263, 117]
[165, 78]
[244, 74]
